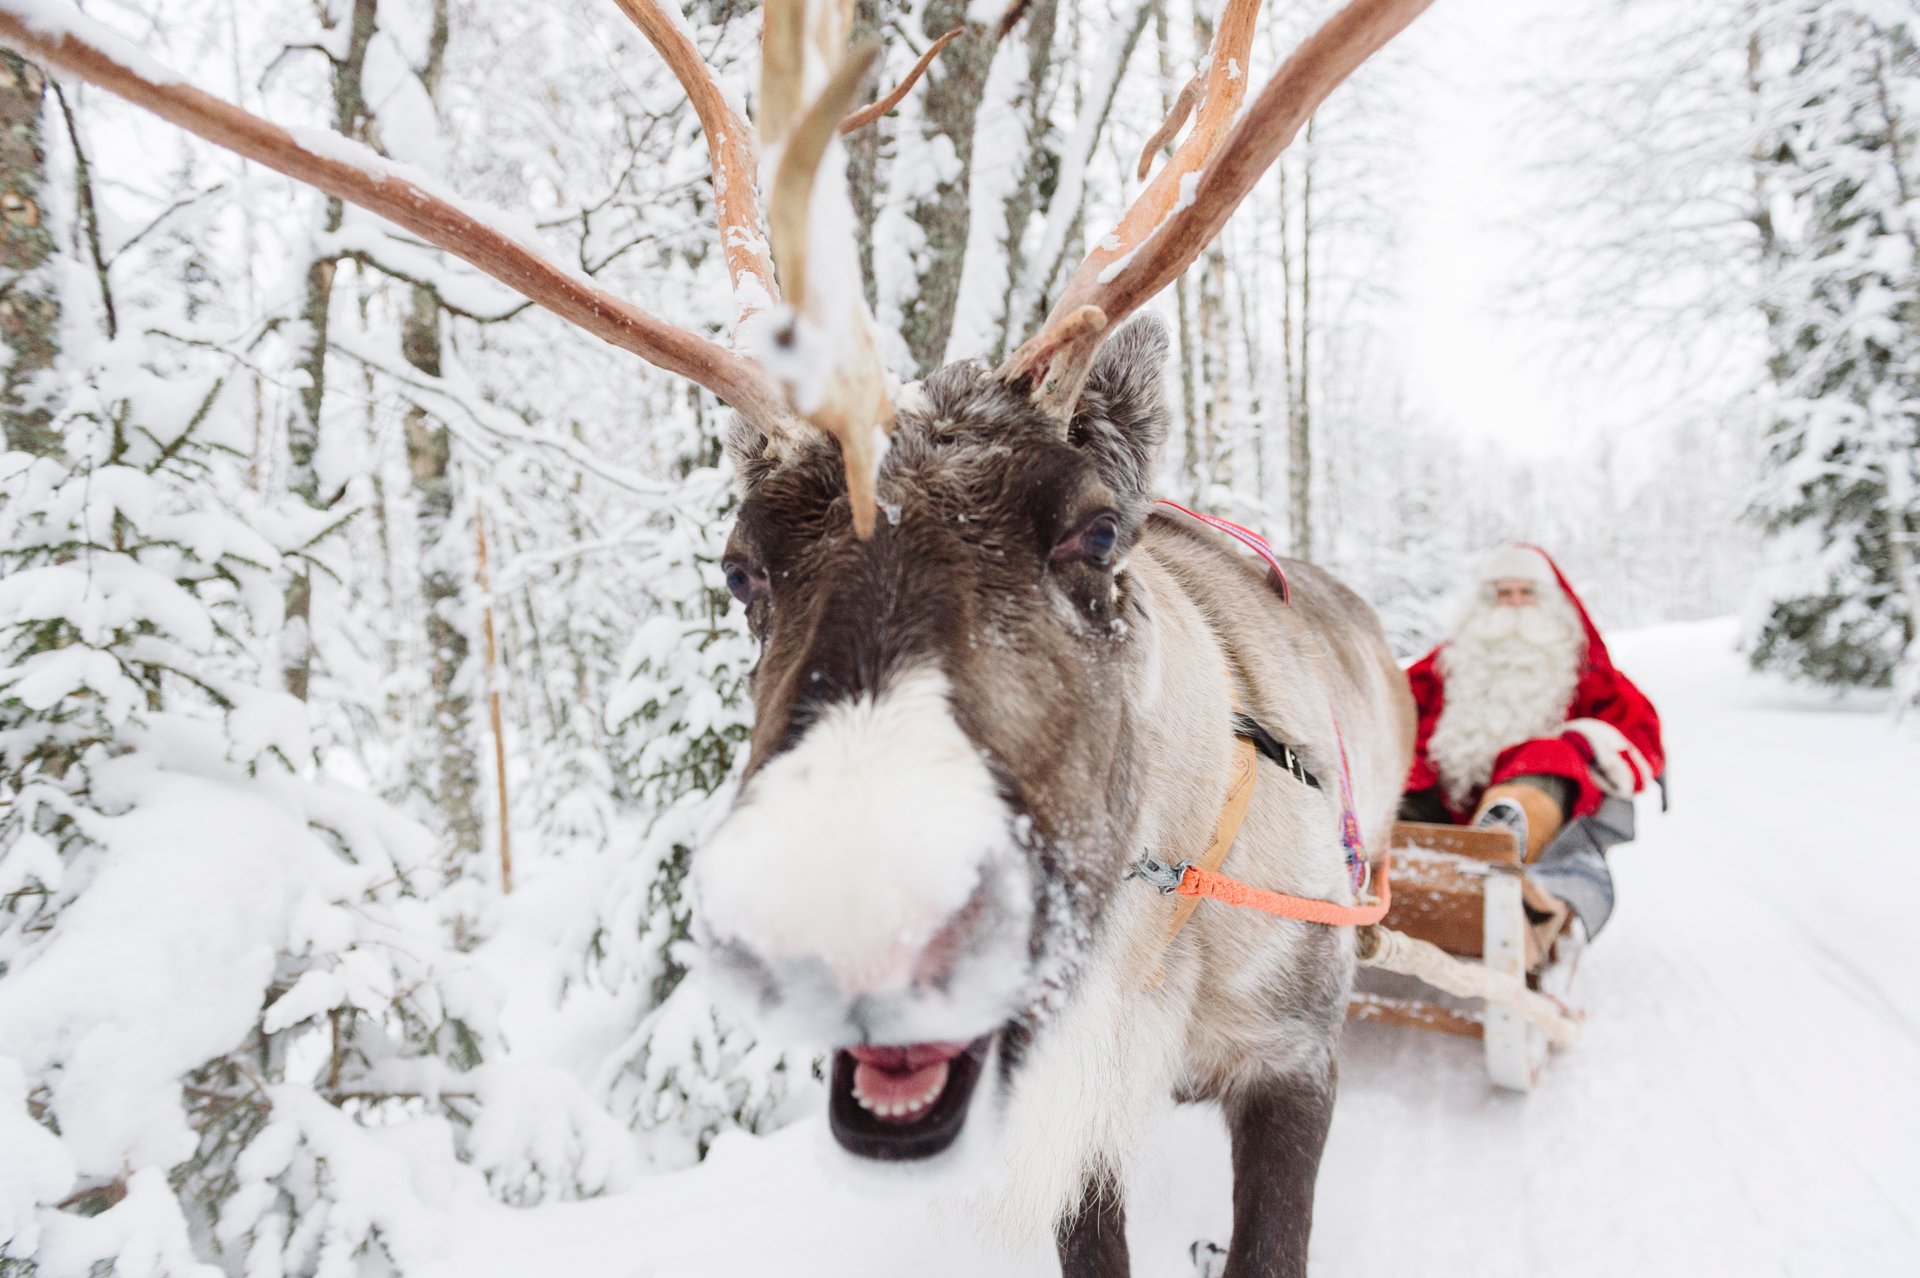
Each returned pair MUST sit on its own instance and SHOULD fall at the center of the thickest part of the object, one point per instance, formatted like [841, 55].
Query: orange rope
[1197, 882]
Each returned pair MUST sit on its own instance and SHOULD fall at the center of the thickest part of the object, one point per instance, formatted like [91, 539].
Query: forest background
[366, 674]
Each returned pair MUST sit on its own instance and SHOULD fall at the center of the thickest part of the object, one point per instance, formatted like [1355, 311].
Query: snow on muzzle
[867, 896]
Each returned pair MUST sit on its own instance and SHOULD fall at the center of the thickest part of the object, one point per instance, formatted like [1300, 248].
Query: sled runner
[1466, 891]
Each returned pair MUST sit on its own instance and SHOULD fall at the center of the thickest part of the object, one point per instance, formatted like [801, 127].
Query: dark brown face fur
[983, 565]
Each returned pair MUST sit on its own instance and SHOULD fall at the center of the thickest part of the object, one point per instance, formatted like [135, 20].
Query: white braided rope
[1397, 952]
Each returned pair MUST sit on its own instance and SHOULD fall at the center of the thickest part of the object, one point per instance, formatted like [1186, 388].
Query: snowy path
[1746, 1099]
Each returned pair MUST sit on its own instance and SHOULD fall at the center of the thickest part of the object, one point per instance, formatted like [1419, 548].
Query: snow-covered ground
[1746, 1098]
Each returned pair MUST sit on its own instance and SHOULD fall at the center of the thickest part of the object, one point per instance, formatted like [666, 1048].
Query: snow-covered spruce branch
[493, 423]
[64, 39]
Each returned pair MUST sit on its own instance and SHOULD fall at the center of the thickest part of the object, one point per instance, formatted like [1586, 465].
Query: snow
[984, 13]
[1735, 1105]
[123, 1000]
[54, 19]
[1000, 162]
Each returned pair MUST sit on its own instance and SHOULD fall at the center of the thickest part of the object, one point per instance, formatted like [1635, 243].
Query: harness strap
[1196, 883]
[1192, 880]
[1247, 728]
[1226, 828]
[1245, 536]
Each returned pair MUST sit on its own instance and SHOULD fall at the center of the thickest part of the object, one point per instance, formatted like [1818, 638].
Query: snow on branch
[1185, 207]
[62, 38]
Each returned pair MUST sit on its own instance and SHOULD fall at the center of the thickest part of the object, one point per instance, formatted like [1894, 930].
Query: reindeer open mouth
[896, 1104]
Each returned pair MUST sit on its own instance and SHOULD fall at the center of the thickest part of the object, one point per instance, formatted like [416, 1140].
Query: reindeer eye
[1091, 543]
[1099, 539]
[743, 581]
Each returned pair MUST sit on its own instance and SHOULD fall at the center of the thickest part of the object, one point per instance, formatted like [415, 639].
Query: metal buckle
[1158, 873]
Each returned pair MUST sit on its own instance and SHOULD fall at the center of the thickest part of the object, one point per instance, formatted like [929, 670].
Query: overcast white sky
[1481, 360]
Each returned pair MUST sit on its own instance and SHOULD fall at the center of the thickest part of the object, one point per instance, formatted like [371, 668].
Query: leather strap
[1241, 777]
[1226, 828]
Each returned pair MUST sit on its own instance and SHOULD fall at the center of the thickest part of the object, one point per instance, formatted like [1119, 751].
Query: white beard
[1509, 677]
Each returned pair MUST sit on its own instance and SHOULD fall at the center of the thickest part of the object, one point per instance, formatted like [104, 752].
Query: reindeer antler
[353, 173]
[730, 153]
[1181, 211]
[893, 97]
[826, 356]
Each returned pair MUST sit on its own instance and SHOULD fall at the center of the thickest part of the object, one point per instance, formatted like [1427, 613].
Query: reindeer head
[940, 791]
[941, 768]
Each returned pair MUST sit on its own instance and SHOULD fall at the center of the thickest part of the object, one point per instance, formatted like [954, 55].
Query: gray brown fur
[1103, 700]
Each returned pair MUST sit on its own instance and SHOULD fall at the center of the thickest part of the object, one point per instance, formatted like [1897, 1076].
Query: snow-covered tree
[1842, 498]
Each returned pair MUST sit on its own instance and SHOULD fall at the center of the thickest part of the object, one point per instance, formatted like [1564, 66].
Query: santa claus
[1524, 721]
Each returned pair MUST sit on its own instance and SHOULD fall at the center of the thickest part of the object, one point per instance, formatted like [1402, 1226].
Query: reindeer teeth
[897, 1107]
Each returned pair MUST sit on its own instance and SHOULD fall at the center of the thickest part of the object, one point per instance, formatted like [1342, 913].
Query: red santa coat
[1603, 696]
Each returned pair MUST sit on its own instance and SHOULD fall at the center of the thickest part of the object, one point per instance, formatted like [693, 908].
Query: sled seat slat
[1415, 1013]
[1440, 899]
[1497, 847]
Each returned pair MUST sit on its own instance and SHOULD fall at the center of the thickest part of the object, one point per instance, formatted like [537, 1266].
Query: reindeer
[974, 715]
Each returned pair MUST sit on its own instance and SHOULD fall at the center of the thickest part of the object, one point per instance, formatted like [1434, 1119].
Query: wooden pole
[493, 699]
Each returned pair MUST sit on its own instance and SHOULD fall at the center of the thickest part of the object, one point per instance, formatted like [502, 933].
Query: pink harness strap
[1245, 536]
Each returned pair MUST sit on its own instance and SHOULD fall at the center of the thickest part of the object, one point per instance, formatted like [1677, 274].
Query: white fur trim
[1614, 757]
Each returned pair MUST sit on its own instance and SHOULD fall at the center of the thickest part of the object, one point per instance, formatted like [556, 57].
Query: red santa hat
[1527, 562]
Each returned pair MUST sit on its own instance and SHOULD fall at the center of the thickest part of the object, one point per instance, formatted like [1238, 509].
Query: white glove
[1618, 767]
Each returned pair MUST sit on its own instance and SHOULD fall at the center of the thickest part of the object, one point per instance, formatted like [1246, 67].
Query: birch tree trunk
[456, 781]
[1300, 431]
[953, 88]
[29, 313]
[303, 427]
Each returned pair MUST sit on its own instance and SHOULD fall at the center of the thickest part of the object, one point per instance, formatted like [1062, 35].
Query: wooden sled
[1467, 892]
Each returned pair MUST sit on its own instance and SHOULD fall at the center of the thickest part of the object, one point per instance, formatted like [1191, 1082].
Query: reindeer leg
[1093, 1239]
[1279, 1128]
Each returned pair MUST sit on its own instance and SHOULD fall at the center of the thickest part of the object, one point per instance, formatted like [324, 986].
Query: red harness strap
[1245, 536]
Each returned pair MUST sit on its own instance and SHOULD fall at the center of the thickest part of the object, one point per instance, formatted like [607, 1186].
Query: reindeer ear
[1122, 417]
[748, 449]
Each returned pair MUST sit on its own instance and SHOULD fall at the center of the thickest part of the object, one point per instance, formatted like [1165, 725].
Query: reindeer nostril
[748, 972]
[940, 955]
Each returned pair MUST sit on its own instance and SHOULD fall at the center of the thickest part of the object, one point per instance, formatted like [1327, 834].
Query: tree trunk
[952, 86]
[1216, 375]
[1290, 386]
[493, 701]
[456, 781]
[29, 314]
[1251, 346]
[1300, 437]
[863, 159]
[429, 455]
[303, 428]
[1040, 172]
